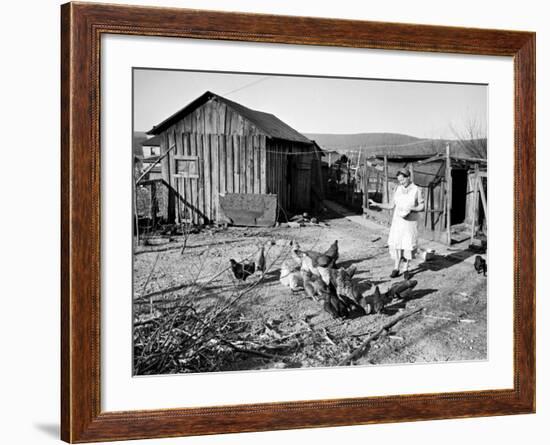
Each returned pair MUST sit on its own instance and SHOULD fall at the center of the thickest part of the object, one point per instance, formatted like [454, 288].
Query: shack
[214, 146]
[453, 180]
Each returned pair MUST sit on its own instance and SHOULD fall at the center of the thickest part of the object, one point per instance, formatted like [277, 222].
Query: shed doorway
[460, 188]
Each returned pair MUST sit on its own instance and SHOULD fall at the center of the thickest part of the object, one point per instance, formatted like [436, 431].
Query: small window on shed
[187, 166]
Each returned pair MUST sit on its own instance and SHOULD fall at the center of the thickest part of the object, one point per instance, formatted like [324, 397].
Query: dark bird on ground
[342, 281]
[375, 302]
[340, 306]
[340, 295]
[401, 290]
[480, 265]
[335, 306]
[242, 271]
[260, 261]
[331, 254]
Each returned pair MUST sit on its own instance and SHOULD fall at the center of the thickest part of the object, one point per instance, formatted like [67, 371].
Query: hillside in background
[346, 142]
[395, 144]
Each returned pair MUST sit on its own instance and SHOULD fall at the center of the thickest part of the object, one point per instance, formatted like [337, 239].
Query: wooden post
[178, 199]
[366, 187]
[136, 213]
[348, 182]
[449, 181]
[476, 205]
[482, 195]
[386, 186]
[411, 169]
[427, 207]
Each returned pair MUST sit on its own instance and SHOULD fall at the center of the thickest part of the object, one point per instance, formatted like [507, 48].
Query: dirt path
[451, 327]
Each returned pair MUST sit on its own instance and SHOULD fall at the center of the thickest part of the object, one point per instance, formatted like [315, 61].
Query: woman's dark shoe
[394, 273]
[407, 275]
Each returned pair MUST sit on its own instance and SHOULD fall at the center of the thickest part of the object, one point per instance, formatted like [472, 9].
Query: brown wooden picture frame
[82, 26]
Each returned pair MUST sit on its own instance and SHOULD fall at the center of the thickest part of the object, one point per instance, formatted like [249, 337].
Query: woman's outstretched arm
[388, 206]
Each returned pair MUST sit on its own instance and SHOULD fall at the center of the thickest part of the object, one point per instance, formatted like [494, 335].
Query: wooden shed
[216, 146]
[454, 185]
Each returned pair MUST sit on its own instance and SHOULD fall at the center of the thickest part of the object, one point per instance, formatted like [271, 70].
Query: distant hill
[346, 142]
[395, 144]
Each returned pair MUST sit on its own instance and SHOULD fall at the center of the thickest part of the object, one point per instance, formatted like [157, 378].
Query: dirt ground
[451, 327]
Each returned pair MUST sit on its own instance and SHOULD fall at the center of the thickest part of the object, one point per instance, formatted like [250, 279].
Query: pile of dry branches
[183, 339]
[180, 336]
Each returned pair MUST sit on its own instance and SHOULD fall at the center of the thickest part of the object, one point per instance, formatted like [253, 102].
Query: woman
[408, 202]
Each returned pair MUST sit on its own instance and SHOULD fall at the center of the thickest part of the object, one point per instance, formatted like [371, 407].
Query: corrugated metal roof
[271, 125]
[424, 174]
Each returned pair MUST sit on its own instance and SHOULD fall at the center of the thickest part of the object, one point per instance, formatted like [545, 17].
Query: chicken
[242, 271]
[314, 286]
[341, 297]
[331, 254]
[296, 254]
[480, 265]
[249, 269]
[316, 262]
[334, 306]
[291, 278]
[340, 306]
[260, 261]
[401, 290]
[341, 279]
[375, 302]
[309, 289]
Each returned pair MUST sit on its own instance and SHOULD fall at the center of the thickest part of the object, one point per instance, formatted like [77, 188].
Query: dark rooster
[341, 296]
[375, 302]
[242, 271]
[260, 261]
[331, 255]
[480, 265]
[340, 306]
[401, 290]
[335, 306]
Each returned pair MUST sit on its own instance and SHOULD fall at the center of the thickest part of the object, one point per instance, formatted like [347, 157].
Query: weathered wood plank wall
[234, 156]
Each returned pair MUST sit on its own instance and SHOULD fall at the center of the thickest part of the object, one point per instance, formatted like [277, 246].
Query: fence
[151, 203]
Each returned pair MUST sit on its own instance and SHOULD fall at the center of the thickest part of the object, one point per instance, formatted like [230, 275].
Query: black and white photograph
[284, 221]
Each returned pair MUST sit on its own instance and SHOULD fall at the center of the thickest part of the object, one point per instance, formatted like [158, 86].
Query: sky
[320, 105]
